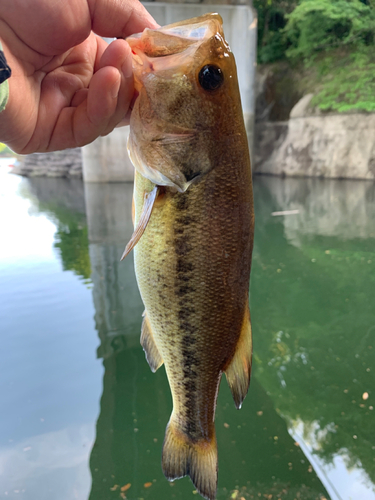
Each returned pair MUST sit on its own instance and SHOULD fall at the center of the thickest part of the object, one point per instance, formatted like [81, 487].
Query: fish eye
[210, 77]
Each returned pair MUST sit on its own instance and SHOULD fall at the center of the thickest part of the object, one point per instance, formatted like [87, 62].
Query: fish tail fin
[239, 369]
[184, 457]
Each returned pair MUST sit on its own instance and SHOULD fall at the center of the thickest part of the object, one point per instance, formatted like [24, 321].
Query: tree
[317, 25]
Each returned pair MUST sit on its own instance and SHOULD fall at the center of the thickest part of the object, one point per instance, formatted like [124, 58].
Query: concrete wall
[66, 163]
[106, 159]
[312, 144]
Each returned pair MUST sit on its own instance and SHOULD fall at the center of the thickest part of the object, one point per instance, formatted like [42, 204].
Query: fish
[194, 225]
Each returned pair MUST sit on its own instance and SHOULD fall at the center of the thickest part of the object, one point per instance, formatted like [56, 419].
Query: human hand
[68, 86]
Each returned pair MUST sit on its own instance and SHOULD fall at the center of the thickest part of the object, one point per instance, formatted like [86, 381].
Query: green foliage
[71, 237]
[316, 25]
[274, 48]
[331, 42]
[347, 82]
[72, 242]
[272, 42]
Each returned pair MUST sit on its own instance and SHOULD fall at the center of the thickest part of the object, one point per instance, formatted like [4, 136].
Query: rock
[301, 108]
[277, 92]
[67, 163]
[318, 145]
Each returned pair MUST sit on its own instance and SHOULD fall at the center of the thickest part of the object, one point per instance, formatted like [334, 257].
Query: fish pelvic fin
[148, 205]
[153, 356]
[239, 369]
[197, 459]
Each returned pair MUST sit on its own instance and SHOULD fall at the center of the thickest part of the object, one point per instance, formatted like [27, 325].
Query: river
[82, 416]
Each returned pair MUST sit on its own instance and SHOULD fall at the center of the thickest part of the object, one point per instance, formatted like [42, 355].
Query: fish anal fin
[239, 369]
[153, 356]
[184, 457]
[148, 205]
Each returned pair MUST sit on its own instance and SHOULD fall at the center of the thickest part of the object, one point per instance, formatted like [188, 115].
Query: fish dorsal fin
[153, 356]
[239, 369]
[148, 205]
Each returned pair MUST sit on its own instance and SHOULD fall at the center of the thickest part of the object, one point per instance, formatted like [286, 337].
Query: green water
[81, 414]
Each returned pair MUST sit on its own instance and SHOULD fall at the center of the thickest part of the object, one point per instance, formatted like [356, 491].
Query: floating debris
[285, 212]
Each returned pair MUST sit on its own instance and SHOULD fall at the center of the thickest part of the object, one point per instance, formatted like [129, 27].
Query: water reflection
[306, 428]
[313, 309]
[329, 208]
[62, 201]
[49, 379]
[118, 306]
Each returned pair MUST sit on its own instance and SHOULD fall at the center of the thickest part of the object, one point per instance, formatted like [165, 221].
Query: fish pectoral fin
[153, 356]
[148, 205]
[184, 457]
[239, 369]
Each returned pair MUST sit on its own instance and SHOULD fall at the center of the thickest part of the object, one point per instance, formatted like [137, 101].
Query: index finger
[113, 18]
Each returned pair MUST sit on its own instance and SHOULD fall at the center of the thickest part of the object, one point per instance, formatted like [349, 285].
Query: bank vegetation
[324, 47]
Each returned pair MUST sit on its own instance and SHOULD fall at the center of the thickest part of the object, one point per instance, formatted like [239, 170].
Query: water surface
[81, 413]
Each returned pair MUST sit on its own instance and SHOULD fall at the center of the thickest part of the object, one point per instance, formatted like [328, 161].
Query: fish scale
[194, 233]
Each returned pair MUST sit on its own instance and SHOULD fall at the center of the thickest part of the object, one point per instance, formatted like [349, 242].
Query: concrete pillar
[106, 160]
[118, 306]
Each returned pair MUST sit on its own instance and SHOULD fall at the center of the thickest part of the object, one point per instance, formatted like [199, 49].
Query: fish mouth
[168, 46]
[172, 46]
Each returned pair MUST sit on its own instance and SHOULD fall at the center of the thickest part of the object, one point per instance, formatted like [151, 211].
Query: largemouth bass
[193, 240]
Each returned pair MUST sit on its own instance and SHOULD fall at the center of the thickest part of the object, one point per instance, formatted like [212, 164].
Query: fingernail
[127, 69]
[116, 87]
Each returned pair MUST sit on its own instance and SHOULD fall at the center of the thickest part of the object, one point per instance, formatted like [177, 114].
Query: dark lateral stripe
[185, 312]
[187, 330]
[182, 245]
[183, 266]
[190, 358]
[185, 220]
[184, 290]
[187, 327]
[182, 202]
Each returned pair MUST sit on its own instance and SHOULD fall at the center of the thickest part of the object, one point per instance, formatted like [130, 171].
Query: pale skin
[68, 86]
